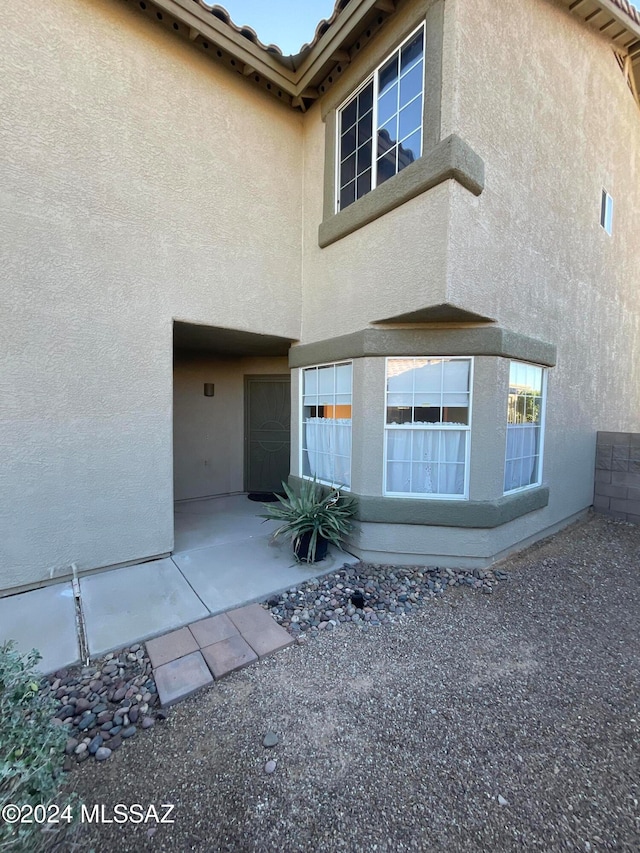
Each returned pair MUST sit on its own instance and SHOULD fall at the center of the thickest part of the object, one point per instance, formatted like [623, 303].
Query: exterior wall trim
[446, 513]
[483, 340]
[452, 158]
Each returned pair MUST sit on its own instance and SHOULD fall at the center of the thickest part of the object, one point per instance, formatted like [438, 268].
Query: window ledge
[448, 513]
[452, 158]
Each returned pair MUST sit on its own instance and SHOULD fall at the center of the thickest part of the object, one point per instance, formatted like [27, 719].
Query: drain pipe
[80, 626]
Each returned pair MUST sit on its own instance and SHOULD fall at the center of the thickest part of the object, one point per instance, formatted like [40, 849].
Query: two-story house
[404, 261]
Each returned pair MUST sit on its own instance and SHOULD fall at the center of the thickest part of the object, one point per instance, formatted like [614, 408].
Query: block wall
[617, 480]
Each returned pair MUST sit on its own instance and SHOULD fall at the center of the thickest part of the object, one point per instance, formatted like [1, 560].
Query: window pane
[388, 75]
[310, 382]
[365, 128]
[456, 375]
[423, 399]
[524, 426]
[326, 427]
[410, 118]
[534, 379]
[427, 376]
[399, 399]
[437, 455]
[411, 85]
[411, 51]
[399, 414]
[326, 381]
[348, 114]
[385, 142]
[387, 105]
[364, 183]
[348, 170]
[343, 378]
[406, 154]
[387, 166]
[399, 477]
[365, 99]
[364, 158]
[348, 143]
[347, 195]
[455, 415]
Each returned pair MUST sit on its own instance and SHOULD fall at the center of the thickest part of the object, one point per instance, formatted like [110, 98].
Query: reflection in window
[525, 422]
[392, 101]
[326, 423]
[428, 422]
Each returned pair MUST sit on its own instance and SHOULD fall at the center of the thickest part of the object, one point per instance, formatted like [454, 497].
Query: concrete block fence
[617, 481]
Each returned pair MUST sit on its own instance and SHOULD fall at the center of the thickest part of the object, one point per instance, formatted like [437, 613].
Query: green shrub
[31, 747]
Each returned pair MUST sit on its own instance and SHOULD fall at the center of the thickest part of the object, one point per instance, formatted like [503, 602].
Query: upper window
[326, 424]
[525, 425]
[380, 126]
[428, 426]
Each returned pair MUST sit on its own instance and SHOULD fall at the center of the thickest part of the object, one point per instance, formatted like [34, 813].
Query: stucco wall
[396, 263]
[554, 125]
[208, 432]
[133, 190]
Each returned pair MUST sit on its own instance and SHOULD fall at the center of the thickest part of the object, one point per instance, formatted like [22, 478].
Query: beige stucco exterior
[531, 251]
[134, 191]
[143, 183]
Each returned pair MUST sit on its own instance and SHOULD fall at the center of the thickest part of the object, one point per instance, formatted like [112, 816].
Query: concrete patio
[223, 558]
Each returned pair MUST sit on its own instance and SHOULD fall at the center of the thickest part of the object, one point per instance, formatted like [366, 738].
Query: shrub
[311, 514]
[31, 747]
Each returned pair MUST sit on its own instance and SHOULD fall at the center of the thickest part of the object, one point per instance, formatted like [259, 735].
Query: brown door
[267, 432]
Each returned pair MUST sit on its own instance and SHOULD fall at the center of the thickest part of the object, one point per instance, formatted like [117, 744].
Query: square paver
[229, 655]
[259, 629]
[213, 630]
[171, 646]
[181, 678]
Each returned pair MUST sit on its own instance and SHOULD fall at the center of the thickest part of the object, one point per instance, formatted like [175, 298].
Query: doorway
[267, 432]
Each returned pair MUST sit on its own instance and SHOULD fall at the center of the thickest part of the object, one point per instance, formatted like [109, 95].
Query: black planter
[301, 548]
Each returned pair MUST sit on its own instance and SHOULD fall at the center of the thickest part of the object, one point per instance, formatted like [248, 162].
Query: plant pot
[301, 548]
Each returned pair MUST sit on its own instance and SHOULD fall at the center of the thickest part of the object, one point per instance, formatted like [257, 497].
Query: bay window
[525, 426]
[428, 424]
[326, 423]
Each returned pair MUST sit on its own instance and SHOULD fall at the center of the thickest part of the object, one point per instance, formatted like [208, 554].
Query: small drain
[357, 599]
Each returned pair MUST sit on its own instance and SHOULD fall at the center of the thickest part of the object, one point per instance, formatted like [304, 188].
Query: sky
[287, 23]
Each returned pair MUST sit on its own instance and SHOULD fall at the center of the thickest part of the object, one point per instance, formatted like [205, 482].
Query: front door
[267, 432]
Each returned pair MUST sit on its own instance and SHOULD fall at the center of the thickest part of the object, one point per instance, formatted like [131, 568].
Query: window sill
[452, 158]
[448, 513]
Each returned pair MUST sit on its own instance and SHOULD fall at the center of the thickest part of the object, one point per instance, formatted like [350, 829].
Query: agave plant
[311, 519]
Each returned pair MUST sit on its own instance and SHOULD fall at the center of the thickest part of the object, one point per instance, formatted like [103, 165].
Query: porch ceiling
[214, 340]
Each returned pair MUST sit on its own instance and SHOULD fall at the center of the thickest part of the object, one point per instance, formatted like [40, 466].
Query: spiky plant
[309, 513]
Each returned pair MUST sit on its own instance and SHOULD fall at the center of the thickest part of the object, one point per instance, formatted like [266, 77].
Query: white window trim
[301, 473]
[374, 132]
[436, 427]
[543, 424]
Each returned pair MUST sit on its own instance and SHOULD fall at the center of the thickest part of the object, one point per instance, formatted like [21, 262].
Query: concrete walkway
[224, 558]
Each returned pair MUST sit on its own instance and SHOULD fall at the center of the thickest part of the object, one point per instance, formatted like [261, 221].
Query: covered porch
[224, 558]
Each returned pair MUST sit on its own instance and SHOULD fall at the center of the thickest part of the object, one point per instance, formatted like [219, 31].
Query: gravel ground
[478, 722]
